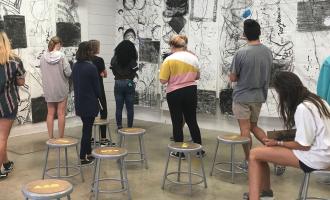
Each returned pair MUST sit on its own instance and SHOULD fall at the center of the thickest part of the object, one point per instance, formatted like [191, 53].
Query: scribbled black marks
[205, 10]
[207, 102]
[14, 26]
[131, 4]
[226, 101]
[149, 50]
[313, 15]
[67, 11]
[39, 109]
[280, 25]
[24, 106]
[156, 32]
[177, 23]
[70, 33]
[10, 7]
[176, 8]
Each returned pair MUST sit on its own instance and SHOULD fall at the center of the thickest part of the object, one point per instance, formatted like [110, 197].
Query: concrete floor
[28, 151]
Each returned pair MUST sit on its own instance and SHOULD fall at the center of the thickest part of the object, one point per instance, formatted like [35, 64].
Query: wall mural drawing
[30, 24]
[296, 31]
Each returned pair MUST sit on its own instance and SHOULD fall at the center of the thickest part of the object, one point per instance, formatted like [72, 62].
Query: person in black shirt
[99, 63]
[124, 67]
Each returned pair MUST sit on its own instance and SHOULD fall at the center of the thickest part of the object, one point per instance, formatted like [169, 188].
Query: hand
[270, 142]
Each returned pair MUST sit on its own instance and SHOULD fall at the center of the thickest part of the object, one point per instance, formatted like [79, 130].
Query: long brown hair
[95, 46]
[291, 93]
[5, 49]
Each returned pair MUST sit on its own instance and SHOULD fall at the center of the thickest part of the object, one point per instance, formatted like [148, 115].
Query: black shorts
[10, 116]
[305, 168]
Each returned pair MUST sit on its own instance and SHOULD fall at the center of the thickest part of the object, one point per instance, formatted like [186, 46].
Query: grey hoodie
[55, 73]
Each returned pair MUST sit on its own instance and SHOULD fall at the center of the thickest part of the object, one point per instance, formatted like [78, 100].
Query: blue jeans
[124, 94]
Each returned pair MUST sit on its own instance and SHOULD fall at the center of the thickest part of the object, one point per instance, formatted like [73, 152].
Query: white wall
[101, 26]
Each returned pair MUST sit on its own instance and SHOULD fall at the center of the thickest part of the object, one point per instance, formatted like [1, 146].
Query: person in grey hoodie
[55, 73]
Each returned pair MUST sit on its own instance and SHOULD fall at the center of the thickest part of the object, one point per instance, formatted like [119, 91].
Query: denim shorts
[10, 116]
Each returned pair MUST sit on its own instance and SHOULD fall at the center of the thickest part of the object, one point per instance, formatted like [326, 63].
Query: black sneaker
[264, 195]
[90, 157]
[198, 155]
[177, 155]
[9, 166]
[3, 175]
[84, 162]
[105, 142]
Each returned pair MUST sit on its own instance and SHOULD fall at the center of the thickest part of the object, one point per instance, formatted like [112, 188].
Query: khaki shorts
[249, 111]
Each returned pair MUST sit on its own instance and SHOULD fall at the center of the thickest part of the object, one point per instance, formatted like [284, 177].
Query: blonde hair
[54, 41]
[179, 41]
[5, 49]
[95, 46]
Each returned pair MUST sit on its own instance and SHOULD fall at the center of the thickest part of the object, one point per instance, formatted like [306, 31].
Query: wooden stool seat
[184, 147]
[62, 142]
[47, 189]
[131, 131]
[99, 121]
[109, 152]
[233, 138]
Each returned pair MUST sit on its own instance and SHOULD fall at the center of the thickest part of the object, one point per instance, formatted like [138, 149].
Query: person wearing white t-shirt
[310, 150]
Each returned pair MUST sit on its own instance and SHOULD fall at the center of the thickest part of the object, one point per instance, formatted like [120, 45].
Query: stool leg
[141, 149]
[97, 177]
[94, 136]
[108, 127]
[306, 184]
[69, 198]
[79, 164]
[179, 168]
[214, 158]
[189, 172]
[125, 175]
[301, 187]
[45, 166]
[203, 171]
[120, 140]
[59, 162]
[232, 164]
[120, 165]
[66, 161]
[94, 174]
[166, 167]
[144, 152]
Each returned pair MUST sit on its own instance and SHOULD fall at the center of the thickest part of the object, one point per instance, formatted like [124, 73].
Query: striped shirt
[179, 70]
[9, 96]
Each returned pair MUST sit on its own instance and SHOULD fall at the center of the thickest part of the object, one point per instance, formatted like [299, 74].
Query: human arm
[66, 67]
[20, 74]
[287, 144]
[95, 81]
[234, 68]
[164, 73]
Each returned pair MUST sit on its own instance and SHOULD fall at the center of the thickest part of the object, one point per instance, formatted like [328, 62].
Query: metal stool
[111, 153]
[100, 122]
[58, 144]
[232, 140]
[303, 191]
[47, 189]
[130, 132]
[188, 149]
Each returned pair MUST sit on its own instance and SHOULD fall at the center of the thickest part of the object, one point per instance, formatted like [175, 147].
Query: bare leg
[259, 176]
[258, 132]
[5, 126]
[61, 109]
[51, 107]
[245, 126]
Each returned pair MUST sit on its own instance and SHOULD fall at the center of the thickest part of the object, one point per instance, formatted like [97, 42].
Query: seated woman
[311, 148]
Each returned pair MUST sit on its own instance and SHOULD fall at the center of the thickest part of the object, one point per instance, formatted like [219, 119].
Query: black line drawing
[176, 8]
[70, 33]
[149, 50]
[14, 26]
[177, 23]
[204, 10]
[313, 15]
[10, 7]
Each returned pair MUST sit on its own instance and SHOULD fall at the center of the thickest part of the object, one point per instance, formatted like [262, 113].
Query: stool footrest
[183, 182]
[62, 176]
[228, 171]
[111, 191]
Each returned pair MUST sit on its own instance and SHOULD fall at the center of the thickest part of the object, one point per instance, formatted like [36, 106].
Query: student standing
[12, 75]
[87, 92]
[55, 73]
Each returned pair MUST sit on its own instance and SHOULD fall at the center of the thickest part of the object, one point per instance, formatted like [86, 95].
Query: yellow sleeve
[164, 73]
